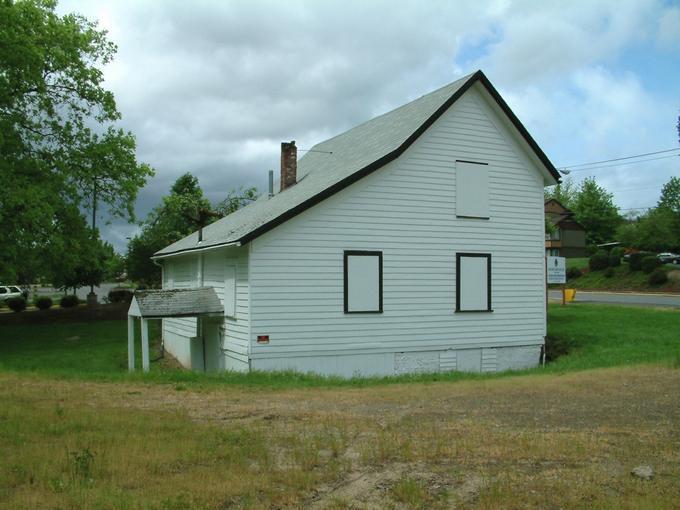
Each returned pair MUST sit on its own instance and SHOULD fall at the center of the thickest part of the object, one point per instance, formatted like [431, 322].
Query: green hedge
[17, 304]
[598, 261]
[69, 301]
[649, 264]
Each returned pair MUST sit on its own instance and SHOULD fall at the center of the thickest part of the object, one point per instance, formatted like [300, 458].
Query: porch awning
[156, 304]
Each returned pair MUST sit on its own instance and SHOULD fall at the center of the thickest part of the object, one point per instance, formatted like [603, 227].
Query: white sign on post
[556, 270]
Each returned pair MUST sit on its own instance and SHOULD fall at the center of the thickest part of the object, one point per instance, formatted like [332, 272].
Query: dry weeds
[565, 441]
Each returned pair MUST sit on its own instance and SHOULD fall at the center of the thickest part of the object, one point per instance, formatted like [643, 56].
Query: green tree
[58, 141]
[594, 208]
[180, 213]
[565, 192]
[235, 200]
[75, 253]
[655, 231]
[115, 265]
[670, 195]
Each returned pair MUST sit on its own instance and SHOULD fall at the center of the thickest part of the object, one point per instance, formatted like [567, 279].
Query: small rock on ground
[643, 472]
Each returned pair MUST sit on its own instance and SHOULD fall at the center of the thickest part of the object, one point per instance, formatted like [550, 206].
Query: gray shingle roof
[339, 161]
[176, 303]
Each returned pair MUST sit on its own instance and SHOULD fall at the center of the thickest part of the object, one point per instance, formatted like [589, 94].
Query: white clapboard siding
[180, 273]
[236, 329]
[185, 272]
[407, 210]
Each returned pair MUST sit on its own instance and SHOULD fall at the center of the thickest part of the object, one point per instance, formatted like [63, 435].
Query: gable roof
[342, 160]
[565, 215]
[175, 303]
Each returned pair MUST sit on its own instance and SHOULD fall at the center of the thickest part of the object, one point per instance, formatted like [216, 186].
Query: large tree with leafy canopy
[594, 208]
[180, 213]
[59, 145]
[565, 192]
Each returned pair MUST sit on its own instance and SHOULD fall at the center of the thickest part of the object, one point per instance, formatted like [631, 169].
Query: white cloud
[669, 29]
[213, 87]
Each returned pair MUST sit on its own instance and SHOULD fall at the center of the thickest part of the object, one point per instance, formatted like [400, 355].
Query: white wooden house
[412, 242]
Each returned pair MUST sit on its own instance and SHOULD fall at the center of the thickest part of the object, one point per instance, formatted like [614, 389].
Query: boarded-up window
[472, 189]
[230, 291]
[184, 273]
[363, 282]
[473, 282]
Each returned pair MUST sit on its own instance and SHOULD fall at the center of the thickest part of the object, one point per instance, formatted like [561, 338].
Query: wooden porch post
[145, 344]
[131, 343]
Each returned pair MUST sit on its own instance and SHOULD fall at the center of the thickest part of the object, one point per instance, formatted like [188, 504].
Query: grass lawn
[594, 335]
[76, 431]
[577, 262]
[623, 279]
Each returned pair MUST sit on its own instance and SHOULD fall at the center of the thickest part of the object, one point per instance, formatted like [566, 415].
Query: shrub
[18, 304]
[658, 277]
[573, 272]
[69, 301]
[609, 272]
[120, 295]
[635, 260]
[614, 260]
[598, 261]
[43, 302]
[649, 264]
[618, 251]
[591, 249]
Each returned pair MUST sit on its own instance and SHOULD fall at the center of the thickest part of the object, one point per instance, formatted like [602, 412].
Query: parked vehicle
[669, 258]
[9, 292]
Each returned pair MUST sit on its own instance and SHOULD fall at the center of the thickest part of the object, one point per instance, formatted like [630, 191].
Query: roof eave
[545, 161]
[338, 186]
[194, 249]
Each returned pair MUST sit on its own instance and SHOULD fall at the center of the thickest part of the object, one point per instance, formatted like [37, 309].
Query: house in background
[569, 237]
[413, 242]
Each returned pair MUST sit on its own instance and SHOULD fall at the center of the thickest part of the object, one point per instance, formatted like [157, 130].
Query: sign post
[556, 272]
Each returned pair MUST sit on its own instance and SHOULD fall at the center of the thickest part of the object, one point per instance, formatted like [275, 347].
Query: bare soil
[559, 441]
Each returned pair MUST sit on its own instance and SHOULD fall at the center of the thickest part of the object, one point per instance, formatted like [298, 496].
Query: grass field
[621, 279]
[77, 432]
[595, 336]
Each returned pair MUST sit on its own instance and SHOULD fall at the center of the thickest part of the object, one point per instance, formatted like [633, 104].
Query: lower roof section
[156, 304]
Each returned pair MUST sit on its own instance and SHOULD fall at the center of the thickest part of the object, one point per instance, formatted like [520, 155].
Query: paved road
[101, 291]
[622, 298]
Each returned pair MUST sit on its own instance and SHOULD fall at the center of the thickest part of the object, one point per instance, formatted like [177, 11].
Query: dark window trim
[363, 253]
[465, 216]
[471, 162]
[488, 281]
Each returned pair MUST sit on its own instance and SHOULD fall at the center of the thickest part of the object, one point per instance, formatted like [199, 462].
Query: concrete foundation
[487, 359]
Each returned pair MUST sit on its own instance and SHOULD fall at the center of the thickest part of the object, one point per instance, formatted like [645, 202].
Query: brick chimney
[288, 164]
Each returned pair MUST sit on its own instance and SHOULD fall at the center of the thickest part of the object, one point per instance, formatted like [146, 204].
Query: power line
[619, 159]
[621, 164]
[636, 208]
[656, 186]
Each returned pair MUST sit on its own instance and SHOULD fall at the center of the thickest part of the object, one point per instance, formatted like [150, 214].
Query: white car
[9, 292]
[669, 258]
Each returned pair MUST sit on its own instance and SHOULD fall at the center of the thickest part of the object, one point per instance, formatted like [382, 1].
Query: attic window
[472, 189]
[473, 282]
[363, 282]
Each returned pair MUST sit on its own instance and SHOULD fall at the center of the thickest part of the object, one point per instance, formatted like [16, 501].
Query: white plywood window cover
[363, 283]
[473, 285]
[230, 291]
[472, 189]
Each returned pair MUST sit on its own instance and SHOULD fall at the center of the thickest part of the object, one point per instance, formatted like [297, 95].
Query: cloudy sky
[213, 87]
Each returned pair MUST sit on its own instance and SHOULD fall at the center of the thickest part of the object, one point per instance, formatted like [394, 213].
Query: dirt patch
[571, 439]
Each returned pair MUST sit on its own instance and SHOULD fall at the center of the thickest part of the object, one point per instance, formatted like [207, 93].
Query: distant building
[569, 237]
